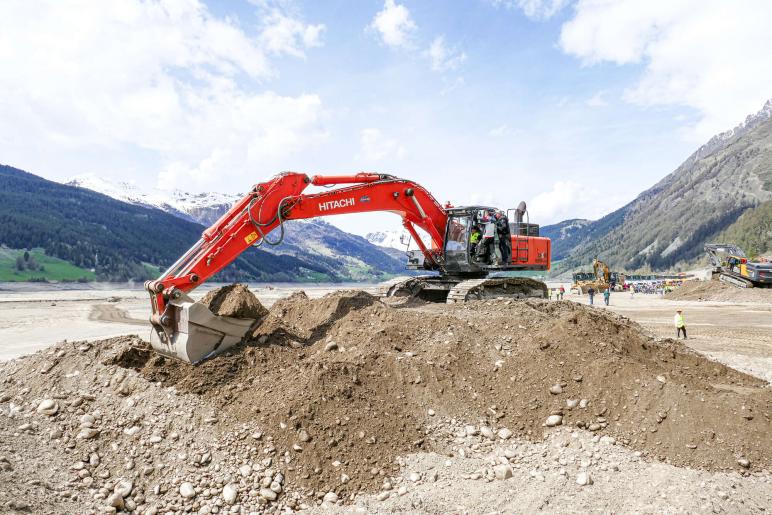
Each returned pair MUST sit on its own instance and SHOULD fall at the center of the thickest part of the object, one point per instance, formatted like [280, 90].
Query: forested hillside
[118, 240]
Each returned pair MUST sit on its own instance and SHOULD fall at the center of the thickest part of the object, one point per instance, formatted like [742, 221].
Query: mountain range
[134, 235]
[345, 255]
[722, 192]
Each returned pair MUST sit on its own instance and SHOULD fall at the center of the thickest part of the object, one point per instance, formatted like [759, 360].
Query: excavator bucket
[195, 333]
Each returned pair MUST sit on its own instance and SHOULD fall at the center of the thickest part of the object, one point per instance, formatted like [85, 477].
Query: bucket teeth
[195, 333]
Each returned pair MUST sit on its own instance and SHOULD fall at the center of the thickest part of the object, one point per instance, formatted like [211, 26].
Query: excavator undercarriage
[189, 331]
[451, 290]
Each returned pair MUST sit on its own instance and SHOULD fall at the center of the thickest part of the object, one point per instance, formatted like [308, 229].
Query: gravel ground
[478, 475]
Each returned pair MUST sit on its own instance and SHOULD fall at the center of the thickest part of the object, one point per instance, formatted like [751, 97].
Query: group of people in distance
[488, 227]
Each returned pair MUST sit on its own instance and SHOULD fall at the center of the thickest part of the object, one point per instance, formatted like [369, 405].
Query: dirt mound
[331, 391]
[719, 291]
[234, 300]
[355, 390]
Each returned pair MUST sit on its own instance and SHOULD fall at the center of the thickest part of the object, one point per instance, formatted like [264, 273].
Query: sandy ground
[544, 474]
[736, 334]
[33, 318]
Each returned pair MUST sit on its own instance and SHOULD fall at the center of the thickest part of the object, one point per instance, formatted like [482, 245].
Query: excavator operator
[505, 240]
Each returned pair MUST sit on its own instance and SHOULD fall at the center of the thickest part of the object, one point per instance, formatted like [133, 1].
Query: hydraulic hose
[259, 226]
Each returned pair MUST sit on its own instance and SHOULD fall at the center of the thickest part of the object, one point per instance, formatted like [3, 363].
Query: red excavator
[189, 331]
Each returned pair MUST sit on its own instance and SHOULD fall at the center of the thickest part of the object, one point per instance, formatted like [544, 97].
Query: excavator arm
[189, 331]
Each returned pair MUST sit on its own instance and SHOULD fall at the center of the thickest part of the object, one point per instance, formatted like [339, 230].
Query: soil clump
[234, 300]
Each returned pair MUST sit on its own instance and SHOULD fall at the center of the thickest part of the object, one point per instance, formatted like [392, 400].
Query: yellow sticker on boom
[251, 237]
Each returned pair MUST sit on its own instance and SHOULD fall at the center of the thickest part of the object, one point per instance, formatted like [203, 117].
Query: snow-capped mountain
[204, 208]
[389, 239]
[346, 255]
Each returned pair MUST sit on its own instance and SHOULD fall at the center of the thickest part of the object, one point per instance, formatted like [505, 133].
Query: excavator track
[494, 288]
[735, 281]
[405, 286]
[442, 289]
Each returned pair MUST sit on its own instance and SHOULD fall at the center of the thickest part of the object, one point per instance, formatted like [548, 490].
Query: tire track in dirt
[110, 313]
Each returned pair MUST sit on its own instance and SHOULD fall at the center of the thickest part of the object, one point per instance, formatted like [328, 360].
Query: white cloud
[282, 34]
[394, 25]
[162, 83]
[536, 9]
[597, 100]
[568, 199]
[710, 55]
[375, 146]
[442, 57]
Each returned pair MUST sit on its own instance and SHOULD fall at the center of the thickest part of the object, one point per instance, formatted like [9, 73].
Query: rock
[504, 433]
[115, 500]
[556, 389]
[229, 493]
[87, 433]
[744, 463]
[661, 379]
[331, 346]
[330, 497]
[572, 403]
[276, 487]
[187, 490]
[594, 427]
[414, 477]
[344, 478]
[487, 432]
[270, 495]
[303, 436]
[124, 487]
[402, 490]
[383, 496]
[245, 470]
[48, 407]
[502, 471]
[87, 420]
[583, 479]
[554, 420]
[584, 403]
[471, 430]
[431, 412]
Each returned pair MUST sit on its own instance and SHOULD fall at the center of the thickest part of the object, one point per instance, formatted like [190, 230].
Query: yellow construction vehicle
[600, 279]
[732, 266]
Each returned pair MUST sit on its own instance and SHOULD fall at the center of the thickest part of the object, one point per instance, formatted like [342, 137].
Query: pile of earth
[328, 393]
[719, 291]
[348, 382]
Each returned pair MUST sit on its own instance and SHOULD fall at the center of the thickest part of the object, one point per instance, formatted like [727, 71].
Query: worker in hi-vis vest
[680, 324]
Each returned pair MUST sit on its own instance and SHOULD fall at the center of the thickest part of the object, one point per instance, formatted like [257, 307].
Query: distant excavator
[601, 278]
[189, 331]
[732, 266]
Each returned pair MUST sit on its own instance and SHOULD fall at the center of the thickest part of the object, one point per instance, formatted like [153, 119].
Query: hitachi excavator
[189, 331]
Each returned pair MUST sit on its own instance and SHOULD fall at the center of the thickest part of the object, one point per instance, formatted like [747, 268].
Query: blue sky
[573, 106]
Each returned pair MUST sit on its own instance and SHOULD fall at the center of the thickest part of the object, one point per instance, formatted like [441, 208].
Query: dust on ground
[330, 392]
[719, 291]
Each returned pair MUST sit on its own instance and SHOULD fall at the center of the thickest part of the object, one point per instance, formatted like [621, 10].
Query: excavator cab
[529, 251]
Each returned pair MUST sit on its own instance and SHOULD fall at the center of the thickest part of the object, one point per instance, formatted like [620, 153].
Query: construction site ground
[347, 404]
